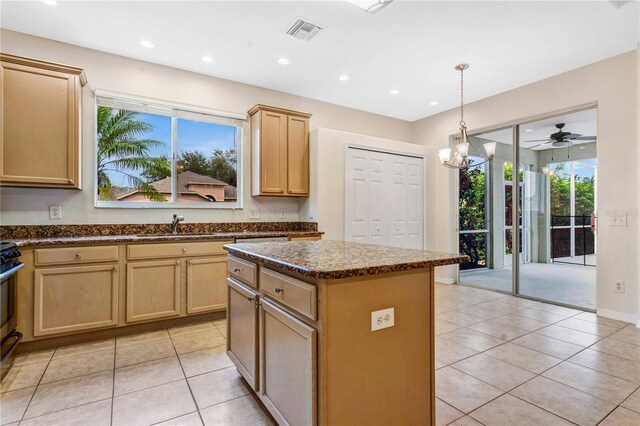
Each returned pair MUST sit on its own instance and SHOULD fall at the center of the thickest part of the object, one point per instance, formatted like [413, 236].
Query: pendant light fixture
[460, 158]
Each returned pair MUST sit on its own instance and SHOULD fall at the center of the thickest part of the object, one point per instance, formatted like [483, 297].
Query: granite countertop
[329, 259]
[138, 238]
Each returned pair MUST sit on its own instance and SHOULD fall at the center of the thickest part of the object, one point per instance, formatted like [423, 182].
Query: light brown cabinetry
[74, 298]
[313, 238]
[242, 330]
[287, 366]
[206, 290]
[156, 281]
[274, 350]
[40, 108]
[280, 152]
[153, 290]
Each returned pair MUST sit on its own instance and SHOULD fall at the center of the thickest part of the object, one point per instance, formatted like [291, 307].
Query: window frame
[175, 111]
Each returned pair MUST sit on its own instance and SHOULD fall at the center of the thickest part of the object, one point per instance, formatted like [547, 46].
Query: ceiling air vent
[303, 30]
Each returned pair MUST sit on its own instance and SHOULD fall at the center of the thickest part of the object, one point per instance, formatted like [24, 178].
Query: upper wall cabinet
[40, 109]
[279, 152]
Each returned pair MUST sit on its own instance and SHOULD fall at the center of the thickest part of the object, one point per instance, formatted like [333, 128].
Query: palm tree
[120, 150]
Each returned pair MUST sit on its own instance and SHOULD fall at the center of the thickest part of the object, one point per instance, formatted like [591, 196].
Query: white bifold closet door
[384, 198]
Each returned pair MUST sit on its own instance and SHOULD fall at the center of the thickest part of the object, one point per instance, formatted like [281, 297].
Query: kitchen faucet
[174, 224]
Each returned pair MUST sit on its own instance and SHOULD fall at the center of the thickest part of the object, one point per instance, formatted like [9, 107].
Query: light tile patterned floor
[500, 360]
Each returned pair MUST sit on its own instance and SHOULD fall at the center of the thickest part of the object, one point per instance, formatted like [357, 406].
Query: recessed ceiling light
[146, 43]
[434, 103]
[583, 147]
[528, 130]
[207, 59]
[394, 92]
[50, 2]
[283, 61]
[343, 77]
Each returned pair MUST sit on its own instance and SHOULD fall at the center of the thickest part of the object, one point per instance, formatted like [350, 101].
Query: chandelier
[460, 158]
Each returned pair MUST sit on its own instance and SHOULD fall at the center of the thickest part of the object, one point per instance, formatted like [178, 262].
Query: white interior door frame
[384, 151]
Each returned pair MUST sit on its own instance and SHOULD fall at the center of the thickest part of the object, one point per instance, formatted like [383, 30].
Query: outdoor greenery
[472, 207]
[221, 165]
[560, 206]
[121, 150]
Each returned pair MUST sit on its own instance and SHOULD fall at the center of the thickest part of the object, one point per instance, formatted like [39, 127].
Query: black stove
[9, 337]
[9, 255]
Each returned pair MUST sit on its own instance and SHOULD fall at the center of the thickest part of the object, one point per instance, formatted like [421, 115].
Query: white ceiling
[581, 122]
[411, 46]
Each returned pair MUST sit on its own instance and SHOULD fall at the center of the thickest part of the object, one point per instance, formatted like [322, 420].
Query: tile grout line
[600, 338]
[186, 379]
[37, 386]
[113, 381]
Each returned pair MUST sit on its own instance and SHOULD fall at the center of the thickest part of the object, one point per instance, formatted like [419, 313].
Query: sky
[192, 135]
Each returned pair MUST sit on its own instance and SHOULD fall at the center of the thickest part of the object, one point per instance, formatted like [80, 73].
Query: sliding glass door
[558, 159]
[530, 229]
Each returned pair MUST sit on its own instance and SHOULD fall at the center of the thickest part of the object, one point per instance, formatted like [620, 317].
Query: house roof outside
[186, 179]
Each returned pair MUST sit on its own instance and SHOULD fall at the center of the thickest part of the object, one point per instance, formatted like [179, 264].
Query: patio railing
[572, 237]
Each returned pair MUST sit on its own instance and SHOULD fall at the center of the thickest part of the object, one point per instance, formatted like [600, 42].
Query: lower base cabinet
[153, 290]
[287, 366]
[242, 333]
[75, 298]
[275, 352]
[206, 290]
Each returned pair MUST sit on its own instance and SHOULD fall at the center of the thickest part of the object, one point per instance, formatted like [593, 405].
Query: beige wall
[612, 84]
[119, 74]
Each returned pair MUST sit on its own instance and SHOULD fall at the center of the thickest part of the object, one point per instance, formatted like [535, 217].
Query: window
[153, 155]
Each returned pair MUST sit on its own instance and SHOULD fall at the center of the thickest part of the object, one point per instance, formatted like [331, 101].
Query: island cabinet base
[383, 377]
[330, 368]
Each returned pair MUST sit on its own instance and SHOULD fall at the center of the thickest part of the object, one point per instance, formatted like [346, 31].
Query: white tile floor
[177, 376]
[500, 360]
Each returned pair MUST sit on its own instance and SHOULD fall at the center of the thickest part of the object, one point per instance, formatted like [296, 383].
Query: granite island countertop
[331, 259]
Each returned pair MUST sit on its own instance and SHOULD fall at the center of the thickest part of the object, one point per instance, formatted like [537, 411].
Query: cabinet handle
[251, 299]
[236, 270]
[115, 268]
[78, 256]
[184, 249]
[279, 290]
[177, 262]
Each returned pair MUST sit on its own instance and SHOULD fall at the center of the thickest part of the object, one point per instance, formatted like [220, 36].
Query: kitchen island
[301, 319]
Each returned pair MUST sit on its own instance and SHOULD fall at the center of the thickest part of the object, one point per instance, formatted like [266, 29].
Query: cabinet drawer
[245, 271]
[71, 255]
[154, 251]
[289, 291]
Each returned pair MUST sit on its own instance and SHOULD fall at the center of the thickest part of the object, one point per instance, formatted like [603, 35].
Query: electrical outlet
[255, 214]
[55, 212]
[619, 219]
[382, 319]
[283, 213]
[619, 286]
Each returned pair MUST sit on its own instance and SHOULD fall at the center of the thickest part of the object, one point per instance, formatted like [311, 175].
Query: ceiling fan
[561, 139]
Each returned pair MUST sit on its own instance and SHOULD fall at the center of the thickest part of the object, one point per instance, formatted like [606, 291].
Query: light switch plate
[383, 318]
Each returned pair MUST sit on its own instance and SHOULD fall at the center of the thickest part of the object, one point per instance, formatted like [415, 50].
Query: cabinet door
[287, 366]
[153, 290]
[242, 330]
[298, 156]
[206, 284]
[75, 298]
[273, 153]
[40, 135]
